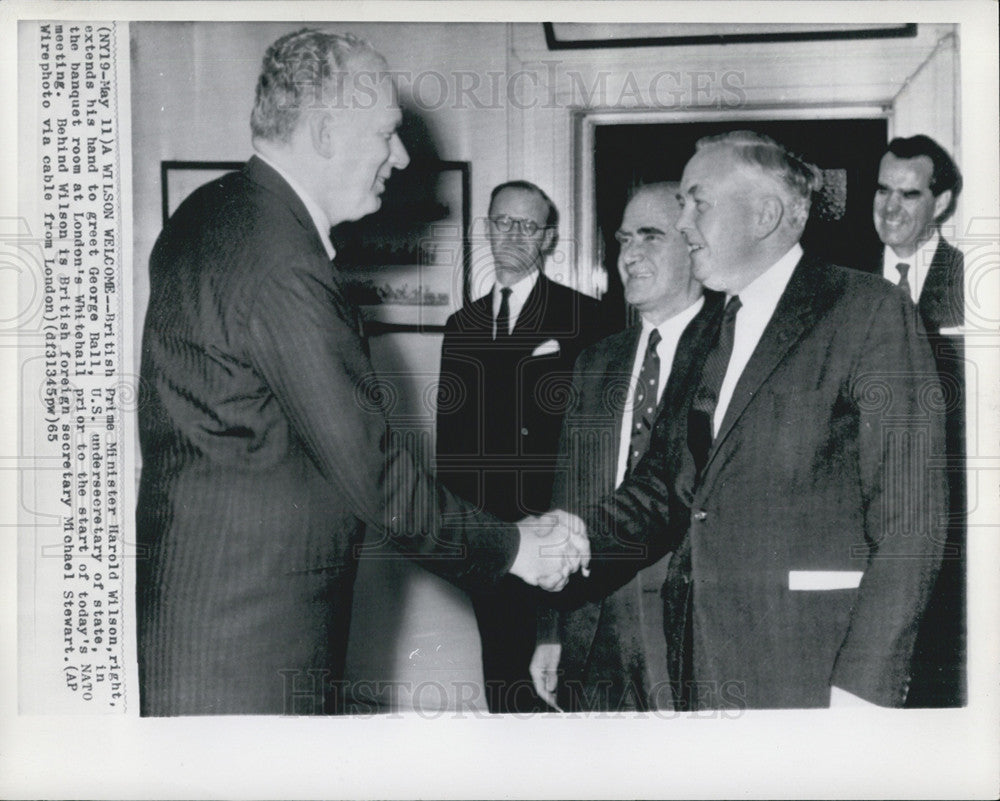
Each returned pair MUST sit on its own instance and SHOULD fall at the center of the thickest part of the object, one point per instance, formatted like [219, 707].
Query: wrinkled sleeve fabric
[302, 341]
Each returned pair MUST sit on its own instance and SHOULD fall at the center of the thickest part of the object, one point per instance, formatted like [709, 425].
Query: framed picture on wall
[407, 265]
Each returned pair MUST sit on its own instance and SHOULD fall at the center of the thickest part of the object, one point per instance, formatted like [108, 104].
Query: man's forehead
[521, 199]
[708, 167]
[652, 209]
[916, 171]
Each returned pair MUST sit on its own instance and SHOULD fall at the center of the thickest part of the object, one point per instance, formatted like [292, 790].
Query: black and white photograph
[406, 391]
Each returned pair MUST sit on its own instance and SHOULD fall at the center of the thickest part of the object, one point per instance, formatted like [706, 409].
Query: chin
[363, 209]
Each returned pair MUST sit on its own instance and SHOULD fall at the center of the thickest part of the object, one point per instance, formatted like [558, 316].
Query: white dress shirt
[319, 218]
[670, 335]
[758, 301]
[920, 264]
[519, 292]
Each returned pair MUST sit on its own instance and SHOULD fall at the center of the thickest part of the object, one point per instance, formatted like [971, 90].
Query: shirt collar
[766, 289]
[920, 263]
[318, 216]
[922, 257]
[673, 327]
[519, 291]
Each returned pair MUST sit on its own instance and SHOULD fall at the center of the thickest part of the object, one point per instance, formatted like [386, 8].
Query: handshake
[553, 546]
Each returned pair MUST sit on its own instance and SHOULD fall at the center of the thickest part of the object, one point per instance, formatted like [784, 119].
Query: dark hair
[298, 72]
[551, 221]
[945, 175]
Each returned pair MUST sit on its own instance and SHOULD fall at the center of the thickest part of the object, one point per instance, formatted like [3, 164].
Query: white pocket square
[548, 347]
[824, 579]
[956, 331]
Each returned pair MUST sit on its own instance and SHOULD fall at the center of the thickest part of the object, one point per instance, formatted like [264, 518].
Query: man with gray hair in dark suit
[795, 478]
[265, 449]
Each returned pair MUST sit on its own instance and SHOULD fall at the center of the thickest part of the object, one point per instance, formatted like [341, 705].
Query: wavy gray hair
[297, 73]
[796, 177]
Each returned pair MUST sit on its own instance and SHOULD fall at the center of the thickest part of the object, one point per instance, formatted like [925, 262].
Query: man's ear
[549, 240]
[321, 132]
[941, 203]
[770, 212]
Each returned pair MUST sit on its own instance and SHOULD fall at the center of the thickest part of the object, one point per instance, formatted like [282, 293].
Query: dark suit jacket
[500, 408]
[612, 657]
[265, 454]
[942, 299]
[939, 661]
[828, 459]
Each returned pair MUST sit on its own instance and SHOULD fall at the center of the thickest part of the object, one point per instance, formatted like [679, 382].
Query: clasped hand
[553, 547]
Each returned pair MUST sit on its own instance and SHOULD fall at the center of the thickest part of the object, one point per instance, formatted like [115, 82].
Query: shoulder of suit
[560, 293]
[474, 316]
[239, 227]
[602, 351]
[948, 253]
[569, 310]
[831, 278]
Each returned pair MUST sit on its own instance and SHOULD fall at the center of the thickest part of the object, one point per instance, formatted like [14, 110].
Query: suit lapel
[795, 314]
[535, 305]
[620, 356]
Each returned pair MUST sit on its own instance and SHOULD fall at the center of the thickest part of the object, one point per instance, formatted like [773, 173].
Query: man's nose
[892, 204]
[684, 220]
[397, 153]
[629, 253]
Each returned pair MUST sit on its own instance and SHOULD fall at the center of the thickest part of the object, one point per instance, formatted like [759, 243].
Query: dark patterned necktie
[904, 282]
[503, 316]
[644, 402]
[706, 397]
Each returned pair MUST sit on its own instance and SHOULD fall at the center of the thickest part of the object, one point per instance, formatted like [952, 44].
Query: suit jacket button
[701, 515]
[524, 432]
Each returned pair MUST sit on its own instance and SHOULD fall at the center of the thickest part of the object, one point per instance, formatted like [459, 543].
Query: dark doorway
[628, 155]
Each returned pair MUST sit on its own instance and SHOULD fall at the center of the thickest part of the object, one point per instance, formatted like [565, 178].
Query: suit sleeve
[448, 383]
[628, 528]
[901, 465]
[457, 417]
[312, 359]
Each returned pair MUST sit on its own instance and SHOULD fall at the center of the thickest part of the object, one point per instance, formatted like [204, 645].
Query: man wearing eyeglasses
[506, 368]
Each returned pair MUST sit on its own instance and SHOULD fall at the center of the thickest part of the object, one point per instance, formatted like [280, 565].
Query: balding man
[794, 477]
[609, 655]
[265, 449]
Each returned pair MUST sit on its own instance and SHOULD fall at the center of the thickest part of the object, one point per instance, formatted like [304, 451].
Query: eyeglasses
[505, 225]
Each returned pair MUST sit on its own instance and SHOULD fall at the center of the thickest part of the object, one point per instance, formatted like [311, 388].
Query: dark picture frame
[781, 33]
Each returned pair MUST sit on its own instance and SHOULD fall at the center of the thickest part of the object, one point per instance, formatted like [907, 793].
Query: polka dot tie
[644, 401]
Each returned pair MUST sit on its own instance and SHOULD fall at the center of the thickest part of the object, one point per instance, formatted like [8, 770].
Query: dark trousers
[507, 625]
